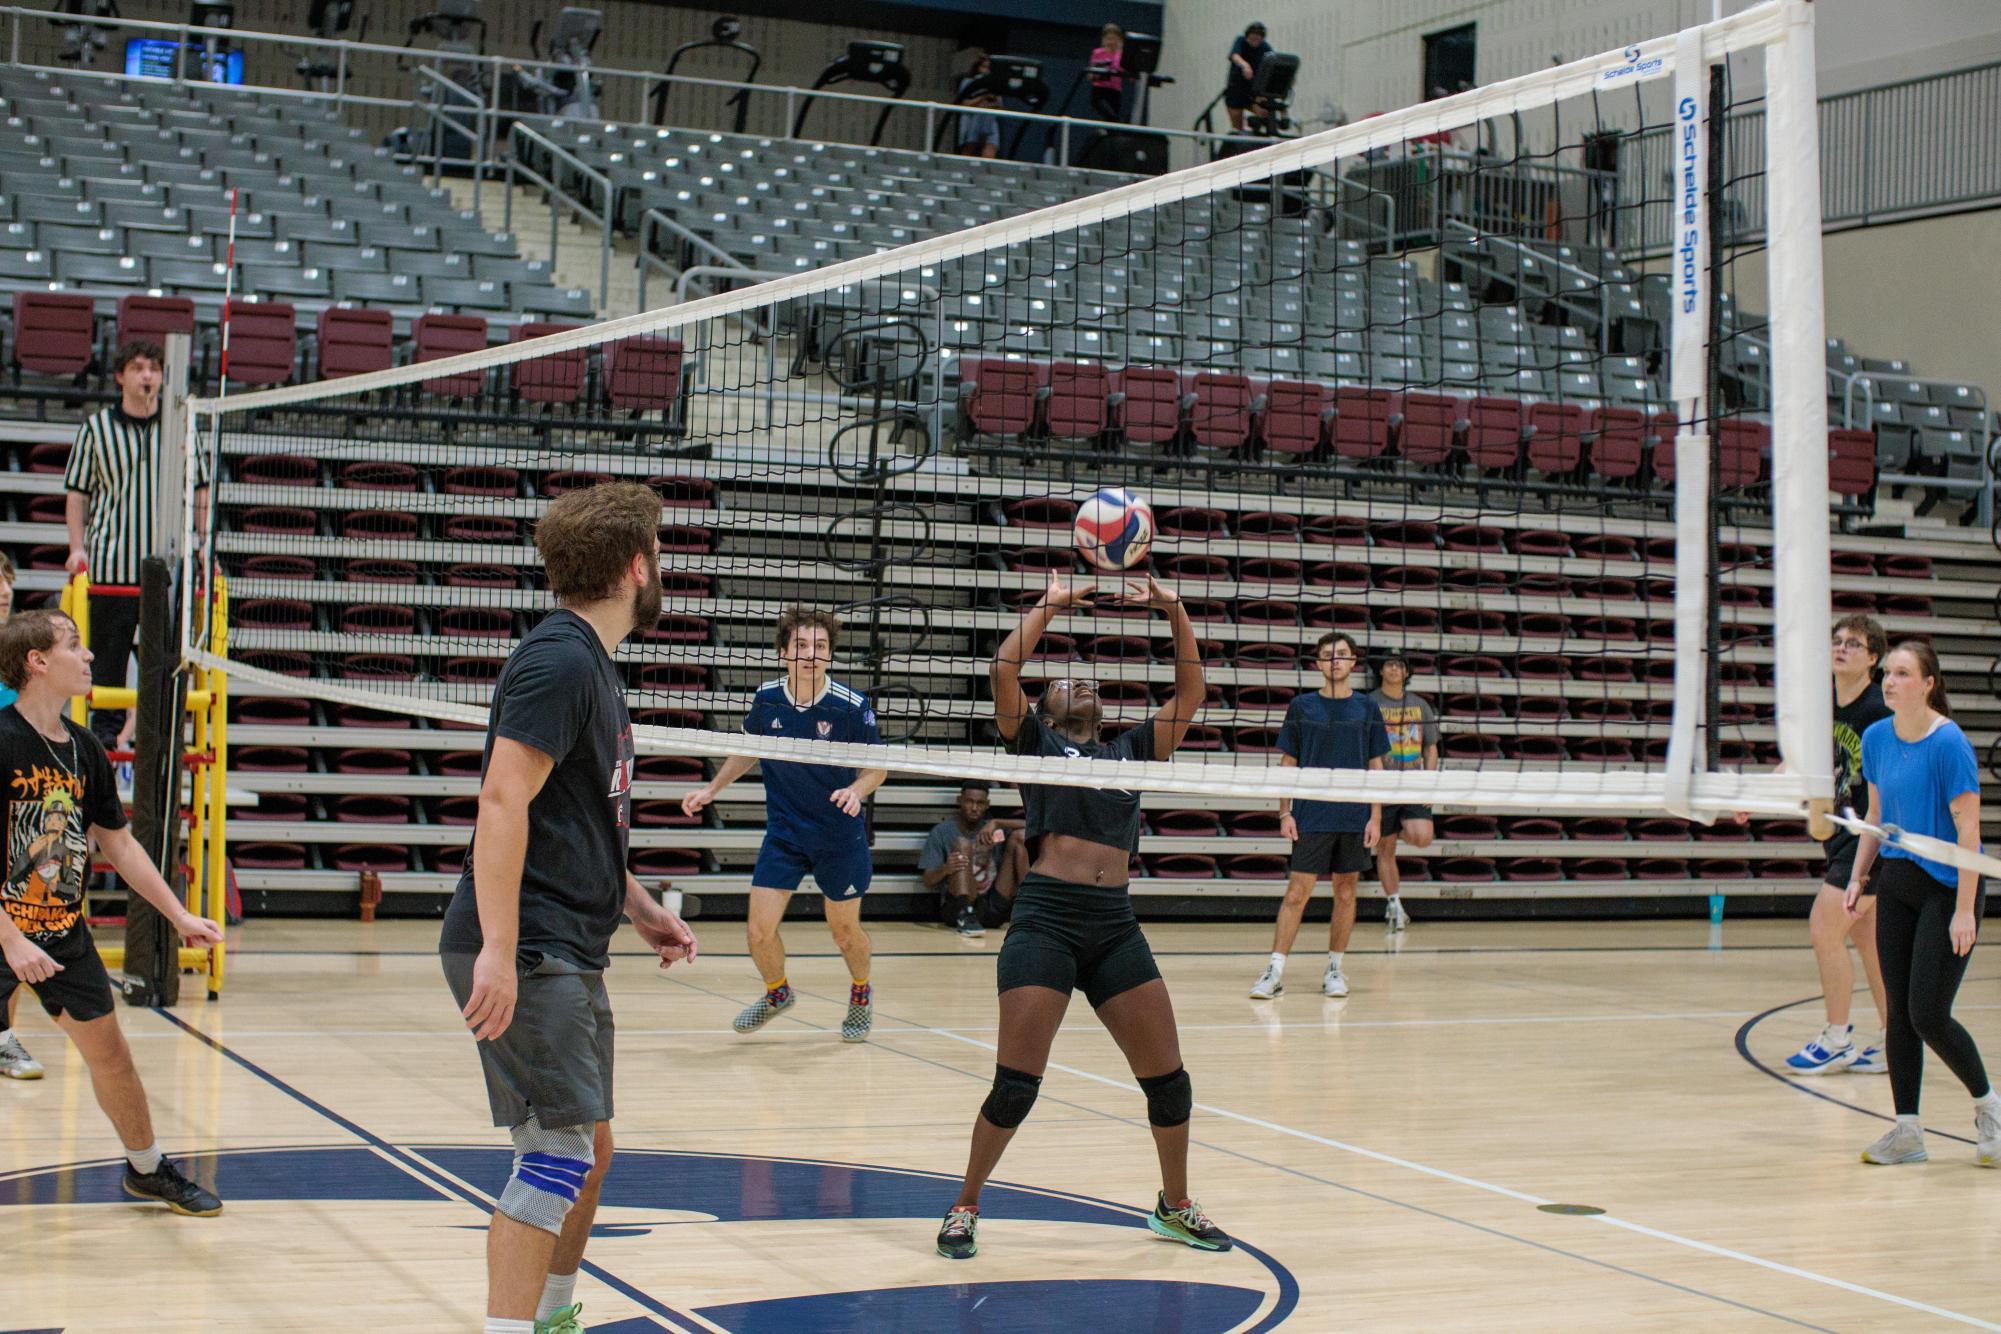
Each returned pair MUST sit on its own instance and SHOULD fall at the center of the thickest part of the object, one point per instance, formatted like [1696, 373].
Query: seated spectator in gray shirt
[975, 863]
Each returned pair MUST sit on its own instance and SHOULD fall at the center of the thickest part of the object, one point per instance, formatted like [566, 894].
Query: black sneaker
[169, 1187]
[959, 1238]
[969, 922]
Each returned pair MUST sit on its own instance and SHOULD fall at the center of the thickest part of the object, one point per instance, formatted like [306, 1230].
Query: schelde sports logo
[1631, 66]
[1688, 276]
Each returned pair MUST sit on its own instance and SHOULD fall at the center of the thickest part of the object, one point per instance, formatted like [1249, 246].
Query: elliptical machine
[329, 19]
[1008, 79]
[459, 32]
[879, 63]
[83, 41]
[562, 86]
[725, 34]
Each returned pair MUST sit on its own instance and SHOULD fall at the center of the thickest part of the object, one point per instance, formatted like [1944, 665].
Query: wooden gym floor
[1384, 1158]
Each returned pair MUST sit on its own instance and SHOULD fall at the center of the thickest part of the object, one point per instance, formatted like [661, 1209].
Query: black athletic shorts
[1066, 936]
[1840, 850]
[554, 1060]
[82, 990]
[1396, 817]
[1331, 854]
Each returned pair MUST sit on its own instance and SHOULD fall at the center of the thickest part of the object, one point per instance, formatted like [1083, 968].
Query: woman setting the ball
[1073, 917]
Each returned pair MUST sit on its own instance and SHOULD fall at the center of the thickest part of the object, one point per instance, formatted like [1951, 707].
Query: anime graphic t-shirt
[55, 791]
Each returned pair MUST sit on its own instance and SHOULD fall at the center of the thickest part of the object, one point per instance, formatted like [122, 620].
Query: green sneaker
[569, 1320]
[1187, 1224]
[959, 1238]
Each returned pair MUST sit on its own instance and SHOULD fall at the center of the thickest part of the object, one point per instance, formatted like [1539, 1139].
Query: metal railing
[1888, 153]
[518, 132]
[722, 262]
[1431, 189]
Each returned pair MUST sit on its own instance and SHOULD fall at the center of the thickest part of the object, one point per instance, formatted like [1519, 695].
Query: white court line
[911, 1030]
[1475, 1183]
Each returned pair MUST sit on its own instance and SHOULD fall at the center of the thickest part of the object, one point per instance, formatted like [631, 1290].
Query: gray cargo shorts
[554, 1061]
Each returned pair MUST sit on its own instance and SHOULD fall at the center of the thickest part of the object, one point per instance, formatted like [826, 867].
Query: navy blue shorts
[842, 868]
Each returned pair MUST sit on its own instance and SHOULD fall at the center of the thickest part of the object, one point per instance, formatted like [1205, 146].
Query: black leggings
[1922, 975]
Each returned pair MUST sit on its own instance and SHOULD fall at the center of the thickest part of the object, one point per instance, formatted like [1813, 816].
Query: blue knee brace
[549, 1171]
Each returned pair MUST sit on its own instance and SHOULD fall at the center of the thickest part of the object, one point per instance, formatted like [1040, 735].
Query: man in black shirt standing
[56, 798]
[527, 936]
[112, 481]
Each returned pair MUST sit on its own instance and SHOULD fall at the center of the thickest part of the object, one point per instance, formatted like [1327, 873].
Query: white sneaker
[1332, 983]
[1269, 986]
[1394, 917]
[15, 1063]
[1987, 1131]
[1897, 1145]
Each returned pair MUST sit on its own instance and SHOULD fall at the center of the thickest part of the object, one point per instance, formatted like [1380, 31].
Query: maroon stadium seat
[1340, 530]
[1494, 428]
[279, 470]
[643, 373]
[1851, 462]
[553, 378]
[997, 395]
[1052, 512]
[1431, 427]
[263, 341]
[1740, 452]
[381, 858]
[373, 570]
[154, 317]
[1194, 522]
[1296, 416]
[281, 567]
[482, 479]
[1183, 866]
[1256, 866]
[278, 807]
[354, 340]
[434, 336]
[1076, 400]
[273, 614]
[1661, 429]
[55, 333]
[1618, 442]
[379, 475]
[1146, 404]
[1219, 409]
[362, 760]
[1268, 526]
[1556, 439]
[1362, 422]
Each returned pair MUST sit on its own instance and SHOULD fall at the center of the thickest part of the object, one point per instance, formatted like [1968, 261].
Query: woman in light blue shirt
[1924, 779]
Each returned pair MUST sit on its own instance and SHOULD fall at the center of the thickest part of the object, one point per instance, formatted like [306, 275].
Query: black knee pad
[1013, 1094]
[1170, 1099]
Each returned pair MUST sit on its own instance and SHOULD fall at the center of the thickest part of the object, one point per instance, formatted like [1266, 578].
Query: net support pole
[1799, 413]
[1690, 289]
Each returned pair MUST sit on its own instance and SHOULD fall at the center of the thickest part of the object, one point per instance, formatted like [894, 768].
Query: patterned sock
[778, 992]
[858, 993]
[144, 1161]
[558, 1291]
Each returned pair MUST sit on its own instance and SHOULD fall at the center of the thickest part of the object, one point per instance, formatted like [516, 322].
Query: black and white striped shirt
[115, 462]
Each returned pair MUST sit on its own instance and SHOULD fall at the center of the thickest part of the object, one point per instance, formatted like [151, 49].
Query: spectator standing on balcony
[970, 859]
[979, 132]
[1108, 74]
[1246, 54]
[112, 481]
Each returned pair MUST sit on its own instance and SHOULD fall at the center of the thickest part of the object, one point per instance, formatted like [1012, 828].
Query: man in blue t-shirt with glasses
[1333, 728]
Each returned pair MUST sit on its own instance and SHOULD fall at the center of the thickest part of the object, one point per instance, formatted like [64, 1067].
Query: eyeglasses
[1075, 683]
[1843, 641]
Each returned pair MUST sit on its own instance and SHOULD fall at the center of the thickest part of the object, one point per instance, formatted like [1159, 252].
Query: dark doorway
[1448, 62]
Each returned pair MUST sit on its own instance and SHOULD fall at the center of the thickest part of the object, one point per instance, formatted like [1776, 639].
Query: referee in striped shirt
[111, 481]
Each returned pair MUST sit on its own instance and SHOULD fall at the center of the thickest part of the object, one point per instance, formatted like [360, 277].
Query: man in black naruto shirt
[527, 936]
[58, 796]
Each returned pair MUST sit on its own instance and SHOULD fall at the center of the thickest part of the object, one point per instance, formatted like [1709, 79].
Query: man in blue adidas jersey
[812, 812]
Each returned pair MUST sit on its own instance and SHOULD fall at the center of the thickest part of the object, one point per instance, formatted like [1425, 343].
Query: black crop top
[1098, 815]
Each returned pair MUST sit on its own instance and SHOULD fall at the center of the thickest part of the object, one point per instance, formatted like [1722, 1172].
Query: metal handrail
[654, 219]
[515, 165]
[646, 80]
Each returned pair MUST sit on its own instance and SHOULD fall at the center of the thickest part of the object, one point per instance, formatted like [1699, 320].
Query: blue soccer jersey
[797, 805]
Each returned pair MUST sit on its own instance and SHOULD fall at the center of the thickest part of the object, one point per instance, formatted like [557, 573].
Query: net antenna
[1425, 429]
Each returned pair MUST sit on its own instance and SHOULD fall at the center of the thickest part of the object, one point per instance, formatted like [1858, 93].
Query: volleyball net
[1430, 381]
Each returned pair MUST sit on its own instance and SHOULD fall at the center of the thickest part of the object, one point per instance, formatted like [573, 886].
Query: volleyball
[1114, 529]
